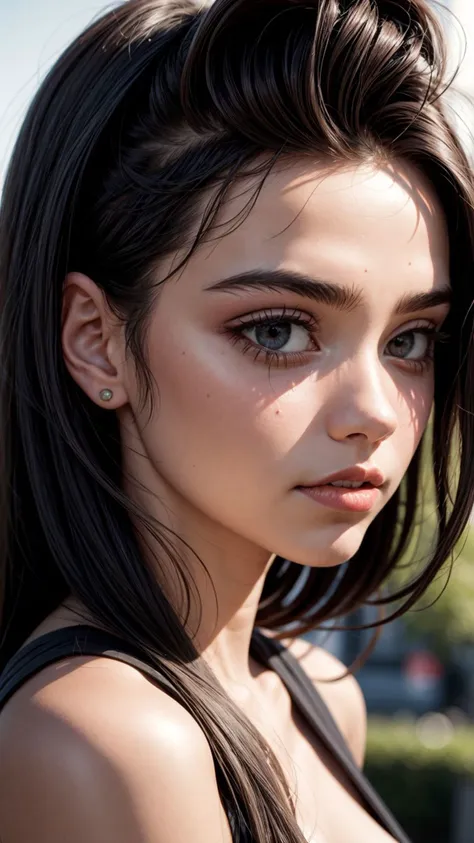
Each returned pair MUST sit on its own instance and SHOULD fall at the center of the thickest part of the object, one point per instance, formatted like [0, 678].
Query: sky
[32, 34]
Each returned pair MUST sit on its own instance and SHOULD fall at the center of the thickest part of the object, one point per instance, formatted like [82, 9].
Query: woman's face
[292, 349]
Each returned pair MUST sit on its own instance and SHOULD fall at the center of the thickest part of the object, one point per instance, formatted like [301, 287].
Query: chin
[326, 550]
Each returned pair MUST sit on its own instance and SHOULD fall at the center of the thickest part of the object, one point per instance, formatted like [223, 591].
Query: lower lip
[343, 498]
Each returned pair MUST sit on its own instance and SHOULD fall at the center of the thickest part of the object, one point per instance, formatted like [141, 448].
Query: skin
[230, 440]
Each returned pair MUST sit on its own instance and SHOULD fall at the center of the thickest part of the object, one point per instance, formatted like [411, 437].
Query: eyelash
[296, 317]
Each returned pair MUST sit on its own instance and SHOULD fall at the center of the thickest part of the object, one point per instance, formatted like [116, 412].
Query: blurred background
[419, 679]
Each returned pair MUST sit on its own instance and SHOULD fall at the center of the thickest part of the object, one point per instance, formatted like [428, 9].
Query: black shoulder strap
[65, 643]
[316, 712]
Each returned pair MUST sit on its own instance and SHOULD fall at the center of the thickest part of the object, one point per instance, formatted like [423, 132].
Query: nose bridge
[362, 403]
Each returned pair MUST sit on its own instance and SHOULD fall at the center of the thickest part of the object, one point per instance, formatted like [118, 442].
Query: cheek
[414, 407]
[214, 425]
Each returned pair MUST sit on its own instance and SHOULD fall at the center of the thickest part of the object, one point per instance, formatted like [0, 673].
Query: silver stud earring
[105, 394]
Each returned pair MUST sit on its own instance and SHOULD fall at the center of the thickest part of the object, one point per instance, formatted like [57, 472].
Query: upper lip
[356, 474]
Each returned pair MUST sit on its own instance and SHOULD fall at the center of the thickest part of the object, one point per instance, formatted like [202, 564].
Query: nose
[363, 403]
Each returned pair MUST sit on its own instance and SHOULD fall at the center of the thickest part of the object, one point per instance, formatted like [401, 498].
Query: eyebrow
[339, 296]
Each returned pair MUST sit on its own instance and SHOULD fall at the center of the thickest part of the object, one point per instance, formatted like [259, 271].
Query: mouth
[356, 489]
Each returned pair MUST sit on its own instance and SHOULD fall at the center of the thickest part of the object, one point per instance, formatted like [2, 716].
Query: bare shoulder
[90, 750]
[340, 691]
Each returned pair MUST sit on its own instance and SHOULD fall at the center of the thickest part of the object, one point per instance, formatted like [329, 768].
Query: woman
[236, 249]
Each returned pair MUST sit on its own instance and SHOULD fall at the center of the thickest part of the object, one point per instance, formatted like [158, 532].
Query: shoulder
[340, 691]
[90, 750]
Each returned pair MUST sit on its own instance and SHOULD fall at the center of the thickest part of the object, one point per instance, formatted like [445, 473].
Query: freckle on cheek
[208, 395]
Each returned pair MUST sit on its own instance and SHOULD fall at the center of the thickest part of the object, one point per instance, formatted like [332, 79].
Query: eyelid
[282, 314]
[414, 325]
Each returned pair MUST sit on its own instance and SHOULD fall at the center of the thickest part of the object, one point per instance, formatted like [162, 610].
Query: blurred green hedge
[393, 741]
[416, 774]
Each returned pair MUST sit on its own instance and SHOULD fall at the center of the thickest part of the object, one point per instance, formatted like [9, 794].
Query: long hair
[126, 155]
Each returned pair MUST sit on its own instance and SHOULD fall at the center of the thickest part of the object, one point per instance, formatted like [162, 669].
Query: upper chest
[328, 806]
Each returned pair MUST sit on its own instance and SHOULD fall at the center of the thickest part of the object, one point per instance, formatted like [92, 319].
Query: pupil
[273, 336]
[403, 344]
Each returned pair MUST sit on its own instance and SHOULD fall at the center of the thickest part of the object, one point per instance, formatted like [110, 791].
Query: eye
[279, 335]
[277, 338]
[411, 345]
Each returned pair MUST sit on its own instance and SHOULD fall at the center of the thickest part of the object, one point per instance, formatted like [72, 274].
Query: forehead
[372, 227]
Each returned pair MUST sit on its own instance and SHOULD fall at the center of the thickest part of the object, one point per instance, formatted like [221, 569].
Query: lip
[344, 500]
[362, 499]
[355, 474]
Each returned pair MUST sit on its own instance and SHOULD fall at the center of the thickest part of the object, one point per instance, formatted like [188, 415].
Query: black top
[88, 641]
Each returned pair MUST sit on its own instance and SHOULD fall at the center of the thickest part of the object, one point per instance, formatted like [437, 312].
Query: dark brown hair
[126, 155]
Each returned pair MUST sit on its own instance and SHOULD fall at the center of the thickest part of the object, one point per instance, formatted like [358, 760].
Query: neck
[226, 647]
[229, 588]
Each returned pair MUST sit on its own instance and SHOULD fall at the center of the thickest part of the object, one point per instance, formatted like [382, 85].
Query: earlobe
[92, 342]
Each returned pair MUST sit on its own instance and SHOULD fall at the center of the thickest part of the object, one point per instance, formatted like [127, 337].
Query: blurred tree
[445, 614]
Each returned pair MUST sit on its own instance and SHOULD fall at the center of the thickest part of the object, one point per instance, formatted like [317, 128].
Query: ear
[92, 341]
